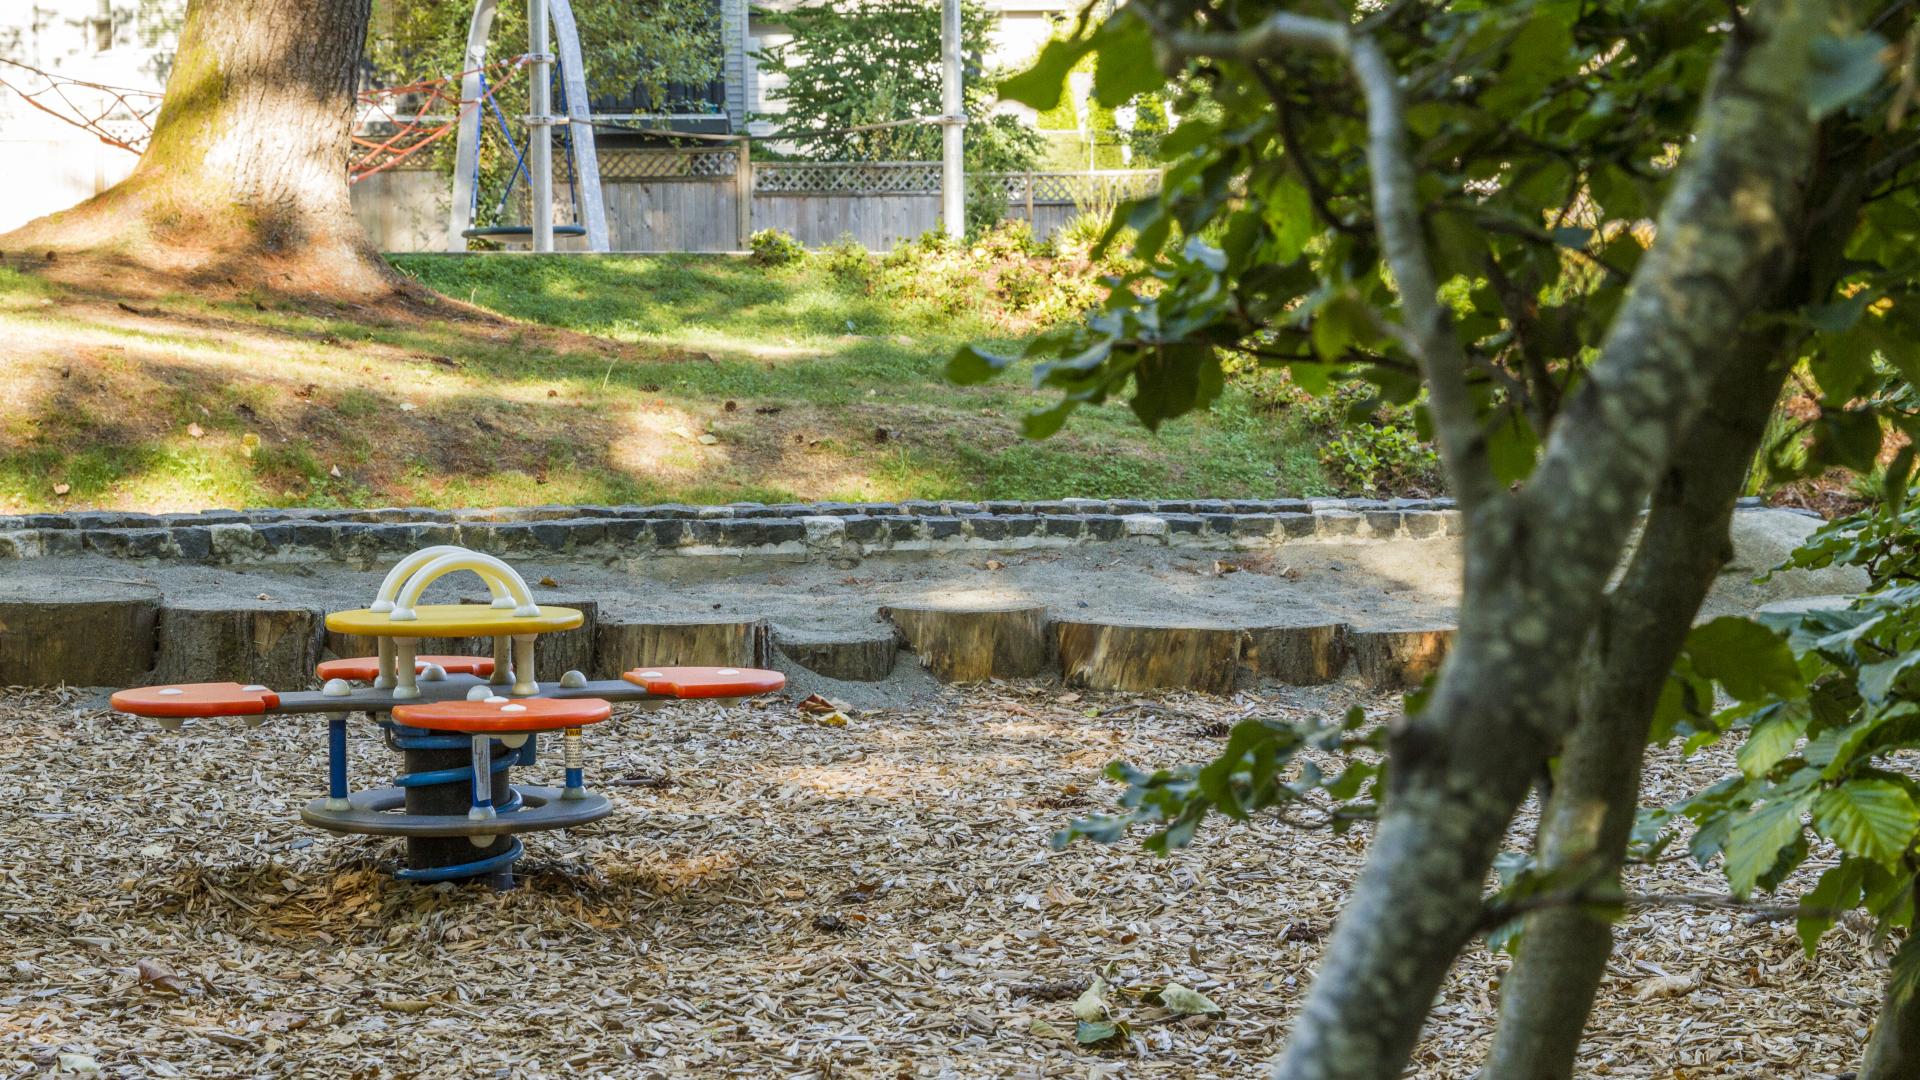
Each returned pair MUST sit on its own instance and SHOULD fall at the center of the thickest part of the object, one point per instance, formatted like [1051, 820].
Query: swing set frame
[583, 160]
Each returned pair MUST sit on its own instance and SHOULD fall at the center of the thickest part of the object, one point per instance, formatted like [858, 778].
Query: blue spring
[403, 737]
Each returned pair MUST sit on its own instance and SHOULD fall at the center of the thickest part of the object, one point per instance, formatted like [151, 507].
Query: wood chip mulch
[772, 897]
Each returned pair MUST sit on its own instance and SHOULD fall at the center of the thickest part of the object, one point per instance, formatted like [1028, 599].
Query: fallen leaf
[996, 564]
[1187, 1002]
[1043, 1029]
[1092, 1003]
[157, 976]
[62, 489]
[408, 406]
[1665, 986]
[334, 472]
[407, 1005]
[228, 1038]
[1087, 1032]
[74, 1063]
[548, 581]
[708, 438]
[195, 430]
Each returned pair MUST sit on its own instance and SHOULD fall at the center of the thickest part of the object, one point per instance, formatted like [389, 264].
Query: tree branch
[1397, 220]
[1279, 33]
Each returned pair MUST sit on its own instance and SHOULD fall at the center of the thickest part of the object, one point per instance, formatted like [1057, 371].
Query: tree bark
[1105, 656]
[245, 177]
[1586, 824]
[1584, 828]
[1538, 562]
[1893, 1053]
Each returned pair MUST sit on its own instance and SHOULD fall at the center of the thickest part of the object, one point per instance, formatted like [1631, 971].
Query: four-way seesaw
[459, 722]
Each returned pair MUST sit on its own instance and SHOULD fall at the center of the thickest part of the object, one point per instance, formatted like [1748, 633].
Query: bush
[1008, 240]
[847, 260]
[775, 247]
[1368, 447]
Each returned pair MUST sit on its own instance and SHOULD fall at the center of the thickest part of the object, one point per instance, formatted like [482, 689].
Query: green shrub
[1368, 447]
[1012, 239]
[775, 247]
[847, 260]
[1021, 283]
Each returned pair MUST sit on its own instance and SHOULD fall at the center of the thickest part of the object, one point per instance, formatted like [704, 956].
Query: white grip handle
[402, 570]
[490, 569]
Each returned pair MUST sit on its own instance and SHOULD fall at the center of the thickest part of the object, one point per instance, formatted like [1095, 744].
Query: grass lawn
[599, 380]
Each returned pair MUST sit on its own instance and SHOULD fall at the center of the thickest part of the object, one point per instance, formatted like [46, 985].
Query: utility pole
[953, 121]
[540, 124]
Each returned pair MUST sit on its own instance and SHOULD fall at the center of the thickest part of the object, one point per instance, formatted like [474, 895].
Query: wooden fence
[689, 200]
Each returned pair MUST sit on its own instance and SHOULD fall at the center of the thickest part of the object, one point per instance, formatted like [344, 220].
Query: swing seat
[510, 231]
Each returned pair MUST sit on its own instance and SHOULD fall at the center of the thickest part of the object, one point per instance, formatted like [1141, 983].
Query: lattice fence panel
[847, 178]
[667, 164]
[1080, 188]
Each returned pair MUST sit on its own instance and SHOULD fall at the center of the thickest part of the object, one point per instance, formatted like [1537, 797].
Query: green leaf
[969, 365]
[1290, 211]
[1844, 69]
[1126, 65]
[1512, 448]
[1088, 1032]
[1042, 85]
[1898, 479]
[1040, 425]
[1769, 742]
[1838, 890]
[1849, 437]
[1755, 841]
[1873, 819]
[1751, 661]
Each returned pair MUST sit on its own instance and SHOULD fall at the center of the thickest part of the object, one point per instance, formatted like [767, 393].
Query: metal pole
[743, 194]
[467, 142]
[953, 177]
[540, 125]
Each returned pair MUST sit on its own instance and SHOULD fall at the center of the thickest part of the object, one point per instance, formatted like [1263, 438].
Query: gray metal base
[377, 811]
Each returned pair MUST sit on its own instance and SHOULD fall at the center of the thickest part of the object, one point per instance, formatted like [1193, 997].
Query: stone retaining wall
[239, 537]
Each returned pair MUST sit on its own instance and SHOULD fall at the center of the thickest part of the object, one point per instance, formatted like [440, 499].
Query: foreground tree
[245, 177]
[1449, 200]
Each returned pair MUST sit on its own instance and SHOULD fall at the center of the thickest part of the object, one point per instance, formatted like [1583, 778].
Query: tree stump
[1101, 656]
[82, 632]
[1297, 655]
[554, 654]
[961, 644]
[276, 645]
[625, 642]
[865, 658]
[1400, 659]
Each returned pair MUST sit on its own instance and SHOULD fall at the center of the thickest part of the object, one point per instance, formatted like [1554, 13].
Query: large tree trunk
[1585, 826]
[1538, 562]
[245, 177]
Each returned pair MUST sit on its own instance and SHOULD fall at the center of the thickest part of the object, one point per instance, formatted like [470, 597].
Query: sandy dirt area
[772, 897]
